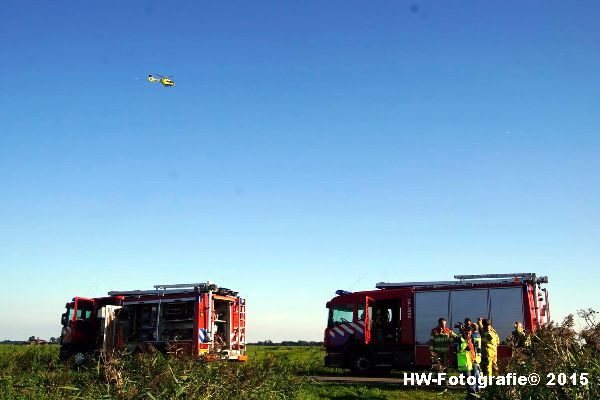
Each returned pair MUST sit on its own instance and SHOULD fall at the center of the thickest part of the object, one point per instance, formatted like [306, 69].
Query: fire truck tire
[64, 355]
[361, 363]
[78, 358]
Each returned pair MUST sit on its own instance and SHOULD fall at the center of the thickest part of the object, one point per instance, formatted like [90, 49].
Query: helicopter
[166, 81]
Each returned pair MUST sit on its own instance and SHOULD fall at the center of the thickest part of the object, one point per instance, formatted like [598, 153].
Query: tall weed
[36, 374]
[557, 349]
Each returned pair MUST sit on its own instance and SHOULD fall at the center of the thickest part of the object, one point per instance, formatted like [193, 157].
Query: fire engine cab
[389, 327]
[81, 326]
[198, 318]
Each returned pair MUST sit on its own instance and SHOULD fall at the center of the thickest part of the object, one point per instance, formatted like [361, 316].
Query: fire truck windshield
[341, 313]
[84, 312]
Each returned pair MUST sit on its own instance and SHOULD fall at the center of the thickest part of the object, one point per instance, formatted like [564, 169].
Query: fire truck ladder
[469, 280]
[242, 324]
[169, 289]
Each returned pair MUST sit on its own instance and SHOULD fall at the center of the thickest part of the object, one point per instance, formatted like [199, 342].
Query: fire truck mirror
[63, 319]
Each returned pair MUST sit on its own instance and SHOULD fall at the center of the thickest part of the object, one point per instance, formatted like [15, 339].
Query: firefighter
[468, 323]
[518, 337]
[379, 323]
[476, 338]
[480, 323]
[439, 342]
[490, 341]
[466, 357]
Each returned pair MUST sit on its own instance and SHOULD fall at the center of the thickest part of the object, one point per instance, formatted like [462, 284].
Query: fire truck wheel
[361, 363]
[78, 358]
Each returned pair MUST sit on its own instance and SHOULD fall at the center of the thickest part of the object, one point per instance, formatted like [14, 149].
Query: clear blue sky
[306, 147]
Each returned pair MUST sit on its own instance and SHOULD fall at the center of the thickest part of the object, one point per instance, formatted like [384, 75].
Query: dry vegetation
[554, 350]
[34, 372]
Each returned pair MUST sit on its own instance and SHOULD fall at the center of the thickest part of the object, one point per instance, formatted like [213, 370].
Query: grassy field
[33, 372]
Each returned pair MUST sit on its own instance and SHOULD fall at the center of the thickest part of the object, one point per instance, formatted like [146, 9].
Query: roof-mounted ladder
[468, 280]
[169, 289]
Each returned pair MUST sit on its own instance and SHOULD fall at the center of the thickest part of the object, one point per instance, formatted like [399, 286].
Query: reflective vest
[465, 355]
[476, 337]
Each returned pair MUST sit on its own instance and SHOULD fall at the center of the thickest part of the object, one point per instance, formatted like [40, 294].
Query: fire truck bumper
[334, 360]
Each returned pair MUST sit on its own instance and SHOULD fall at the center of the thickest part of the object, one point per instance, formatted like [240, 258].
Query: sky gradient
[306, 147]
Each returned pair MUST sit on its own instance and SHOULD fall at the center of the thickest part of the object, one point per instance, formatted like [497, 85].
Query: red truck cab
[80, 334]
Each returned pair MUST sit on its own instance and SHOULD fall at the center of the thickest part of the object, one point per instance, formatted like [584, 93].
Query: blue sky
[306, 147]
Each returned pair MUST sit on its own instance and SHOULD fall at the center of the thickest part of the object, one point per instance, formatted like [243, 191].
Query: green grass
[33, 372]
[307, 360]
[12, 348]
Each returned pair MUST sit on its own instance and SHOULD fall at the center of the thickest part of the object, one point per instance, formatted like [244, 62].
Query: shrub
[556, 349]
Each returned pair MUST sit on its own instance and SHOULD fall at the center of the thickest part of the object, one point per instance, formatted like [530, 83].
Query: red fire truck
[198, 318]
[389, 327]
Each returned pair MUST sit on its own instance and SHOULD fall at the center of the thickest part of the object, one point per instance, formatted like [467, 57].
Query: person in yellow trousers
[476, 338]
[490, 341]
[439, 342]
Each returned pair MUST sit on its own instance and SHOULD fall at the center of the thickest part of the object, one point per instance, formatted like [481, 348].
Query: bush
[556, 349]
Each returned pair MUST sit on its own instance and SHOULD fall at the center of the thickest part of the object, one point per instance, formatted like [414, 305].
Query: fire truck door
[108, 328]
[83, 320]
[368, 311]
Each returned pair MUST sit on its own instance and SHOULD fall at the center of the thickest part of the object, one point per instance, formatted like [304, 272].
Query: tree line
[287, 343]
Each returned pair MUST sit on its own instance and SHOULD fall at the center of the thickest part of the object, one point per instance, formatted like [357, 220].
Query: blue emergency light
[342, 292]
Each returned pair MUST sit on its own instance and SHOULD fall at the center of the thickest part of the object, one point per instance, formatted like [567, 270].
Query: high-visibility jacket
[490, 340]
[440, 339]
[465, 355]
[476, 337]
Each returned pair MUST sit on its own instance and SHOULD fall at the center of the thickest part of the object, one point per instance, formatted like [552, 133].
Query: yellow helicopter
[167, 82]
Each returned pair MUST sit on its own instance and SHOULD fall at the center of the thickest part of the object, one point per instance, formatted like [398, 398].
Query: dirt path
[377, 381]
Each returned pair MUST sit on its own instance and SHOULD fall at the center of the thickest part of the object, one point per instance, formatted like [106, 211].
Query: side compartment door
[203, 318]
